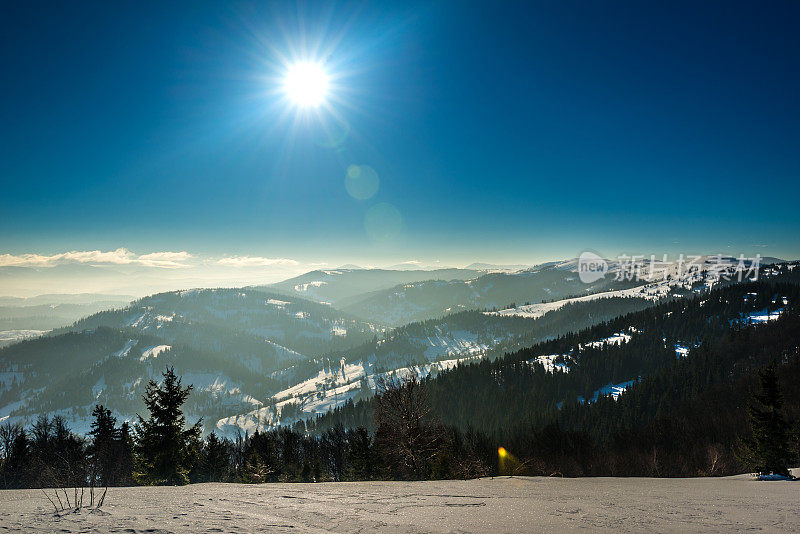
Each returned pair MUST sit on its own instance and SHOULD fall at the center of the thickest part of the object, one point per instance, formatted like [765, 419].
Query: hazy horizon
[123, 272]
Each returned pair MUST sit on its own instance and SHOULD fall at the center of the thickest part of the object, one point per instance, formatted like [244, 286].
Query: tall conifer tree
[166, 449]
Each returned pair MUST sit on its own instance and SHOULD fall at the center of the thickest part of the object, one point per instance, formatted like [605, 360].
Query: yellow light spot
[501, 452]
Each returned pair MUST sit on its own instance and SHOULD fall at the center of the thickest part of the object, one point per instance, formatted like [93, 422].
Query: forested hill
[241, 349]
[553, 381]
[246, 323]
[412, 343]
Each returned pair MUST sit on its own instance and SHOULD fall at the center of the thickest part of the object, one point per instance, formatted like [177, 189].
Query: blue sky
[507, 132]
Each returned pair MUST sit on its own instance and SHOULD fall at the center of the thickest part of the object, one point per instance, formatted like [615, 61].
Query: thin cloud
[255, 261]
[165, 259]
[120, 256]
[123, 256]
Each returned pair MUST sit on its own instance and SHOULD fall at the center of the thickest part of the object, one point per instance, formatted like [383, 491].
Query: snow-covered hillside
[331, 388]
[67, 375]
[670, 280]
[264, 330]
[428, 299]
[8, 337]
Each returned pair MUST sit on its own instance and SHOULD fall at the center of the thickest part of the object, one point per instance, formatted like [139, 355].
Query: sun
[306, 84]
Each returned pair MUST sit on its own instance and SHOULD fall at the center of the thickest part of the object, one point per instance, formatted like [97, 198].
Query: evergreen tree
[360, 455]
[214, 459]
[16, 456]
[166, 449]
[103, 446]
[125, 457]
[768, 450]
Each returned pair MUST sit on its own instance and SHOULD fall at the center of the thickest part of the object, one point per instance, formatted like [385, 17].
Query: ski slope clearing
[615, 390]
[502, 504]
[652, 292]
[706, 273]
[553, 362]
[8, 337]
[330, 389]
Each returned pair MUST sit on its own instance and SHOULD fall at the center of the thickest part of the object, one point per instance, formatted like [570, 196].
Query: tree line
[163, 449]
[705, 434]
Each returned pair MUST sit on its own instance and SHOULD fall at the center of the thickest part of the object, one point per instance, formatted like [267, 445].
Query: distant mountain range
[25, 317]
[65, 298]
[395, 298]
[267, 355]
[333, 285]
[496, 267]
[398, 297]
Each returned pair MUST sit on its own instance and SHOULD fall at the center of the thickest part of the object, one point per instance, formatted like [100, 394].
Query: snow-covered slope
[331, 388]
[665, 281]
[425, 347]
[428, 299]
[68, 374]
[262, 329]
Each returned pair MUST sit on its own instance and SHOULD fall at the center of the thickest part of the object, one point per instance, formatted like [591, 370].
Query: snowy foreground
[484, 505]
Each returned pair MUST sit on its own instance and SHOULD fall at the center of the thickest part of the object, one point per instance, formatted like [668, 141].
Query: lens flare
[361, 182]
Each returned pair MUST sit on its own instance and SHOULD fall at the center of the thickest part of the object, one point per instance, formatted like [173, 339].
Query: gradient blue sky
[500, 131]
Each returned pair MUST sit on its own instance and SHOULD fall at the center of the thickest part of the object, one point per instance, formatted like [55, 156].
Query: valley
[258, 358]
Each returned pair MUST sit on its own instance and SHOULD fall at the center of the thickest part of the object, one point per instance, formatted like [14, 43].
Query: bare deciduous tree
[407, 435]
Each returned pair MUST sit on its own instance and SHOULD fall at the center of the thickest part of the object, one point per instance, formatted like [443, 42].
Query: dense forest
[408, 344]
[688, 418]
[517, 391]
